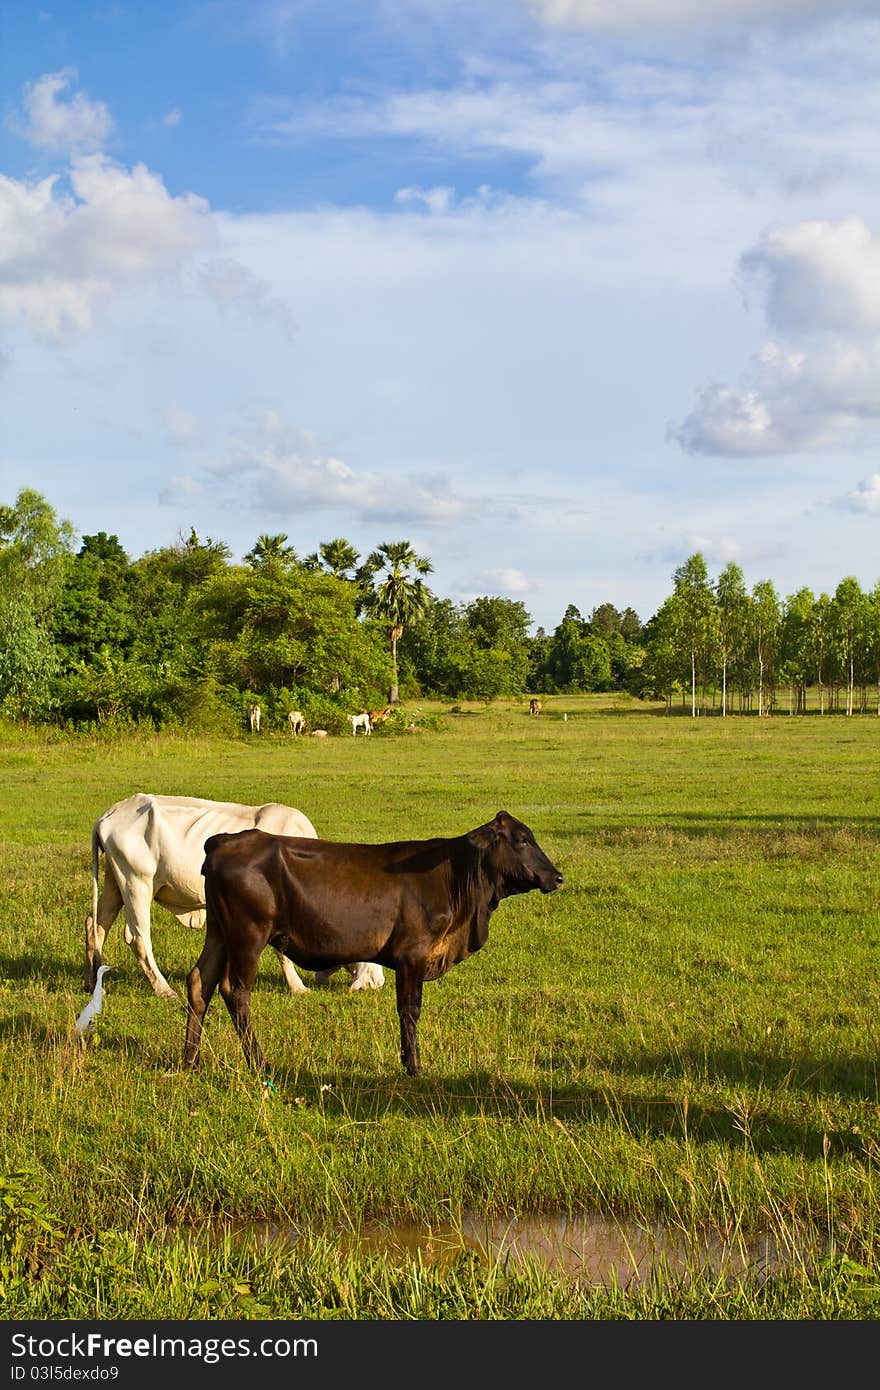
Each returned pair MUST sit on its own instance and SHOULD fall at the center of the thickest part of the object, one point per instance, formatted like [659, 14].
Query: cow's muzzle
[551, 882]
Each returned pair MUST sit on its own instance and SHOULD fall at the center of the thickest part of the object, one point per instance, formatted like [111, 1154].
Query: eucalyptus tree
[693, 613]
[820, 644]
[849, 621]
[395, 593]
[731, 613]
[765, 620]
[661, 667]
[872, 635]
[795, 645]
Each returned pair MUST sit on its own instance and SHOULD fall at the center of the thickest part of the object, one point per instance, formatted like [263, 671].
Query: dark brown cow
[416, 906]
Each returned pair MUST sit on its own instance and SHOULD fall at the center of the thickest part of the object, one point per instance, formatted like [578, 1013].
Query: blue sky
[559, 290]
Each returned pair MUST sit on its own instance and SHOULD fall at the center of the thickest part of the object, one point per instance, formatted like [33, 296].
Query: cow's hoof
[167, 993]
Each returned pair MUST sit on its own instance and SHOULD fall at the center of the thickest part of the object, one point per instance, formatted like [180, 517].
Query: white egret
[86, 1021]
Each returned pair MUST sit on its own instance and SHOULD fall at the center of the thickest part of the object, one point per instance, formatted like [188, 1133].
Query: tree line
[181, 635]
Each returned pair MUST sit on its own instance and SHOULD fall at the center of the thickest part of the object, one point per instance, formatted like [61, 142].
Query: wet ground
[593, 1249]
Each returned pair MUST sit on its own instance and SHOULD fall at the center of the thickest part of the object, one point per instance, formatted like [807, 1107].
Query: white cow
[254, 714]
[360, 721]
[154, 847]
[297, 722]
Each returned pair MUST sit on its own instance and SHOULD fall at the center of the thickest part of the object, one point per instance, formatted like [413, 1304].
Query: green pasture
[687, 1031]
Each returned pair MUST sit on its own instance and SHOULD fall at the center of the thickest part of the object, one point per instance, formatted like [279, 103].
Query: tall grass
[685, 1032]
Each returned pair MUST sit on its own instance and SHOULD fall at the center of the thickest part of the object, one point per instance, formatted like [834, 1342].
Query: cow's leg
[294, 983]
[236, 985]
[200, 985]
[137, 921]
[97, 927]
[365, 975]
[408, 981]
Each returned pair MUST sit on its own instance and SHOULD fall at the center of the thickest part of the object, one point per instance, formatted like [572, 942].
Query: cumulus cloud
[865, 497]
[273, 467]
[817, 277]
[819, 381]
[72, 126]
[173, 117]
[66, 254]
[639, 14]
[505, 581]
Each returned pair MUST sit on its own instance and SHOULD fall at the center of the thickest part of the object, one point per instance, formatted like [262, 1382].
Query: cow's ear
[484, 836]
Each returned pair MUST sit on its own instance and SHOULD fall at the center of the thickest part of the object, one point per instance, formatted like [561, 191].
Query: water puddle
[593, 1249]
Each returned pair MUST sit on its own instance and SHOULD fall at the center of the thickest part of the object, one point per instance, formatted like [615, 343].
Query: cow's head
[515, 859]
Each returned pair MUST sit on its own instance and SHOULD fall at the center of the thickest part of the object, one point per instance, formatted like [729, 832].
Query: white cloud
[865, 497]
[439, 199]
[506, 581]
[820, 382]
[817, 277]
[173, 117]
[66, 255]
[284, 471]
[180, 425]
[73, 126]
[658, 14]
[234, 289]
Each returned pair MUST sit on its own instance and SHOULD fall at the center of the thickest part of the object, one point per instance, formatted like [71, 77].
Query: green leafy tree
[693, 614]
[848, 624]
[797, 619]
[731, 609]
[298, 629]
[661, 668]
[437, 651]
[499, 626]
[820, 645]
[35, 551]
[94, 610]
[395, 594]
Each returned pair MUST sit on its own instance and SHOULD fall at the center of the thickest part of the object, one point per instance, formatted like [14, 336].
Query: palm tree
[270, 552]
[395, 593]
[338, 556]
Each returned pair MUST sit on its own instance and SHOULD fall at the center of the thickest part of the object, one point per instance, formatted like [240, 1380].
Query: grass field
[687, 1031]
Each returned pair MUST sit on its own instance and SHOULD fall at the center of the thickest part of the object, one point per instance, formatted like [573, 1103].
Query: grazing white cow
[360, 721]
[254, 714]
[154, 849]
[297, 721]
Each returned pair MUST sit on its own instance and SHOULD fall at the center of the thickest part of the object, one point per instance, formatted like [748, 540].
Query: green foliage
[28, 658]
[28, 1231]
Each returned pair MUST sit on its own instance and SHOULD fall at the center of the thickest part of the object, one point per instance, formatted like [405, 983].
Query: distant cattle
[378, 716]
[318, 733]
[297, 722]
[415, 906]
[534, 706]
[154, 848]
[360, 721]
[254, 714]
